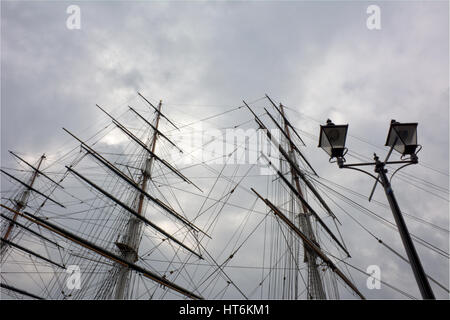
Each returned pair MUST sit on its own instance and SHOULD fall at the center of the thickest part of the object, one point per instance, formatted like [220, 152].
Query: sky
[201, 58]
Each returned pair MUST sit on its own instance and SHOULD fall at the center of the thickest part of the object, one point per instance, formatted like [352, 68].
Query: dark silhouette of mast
[20, 202]
[129, 245]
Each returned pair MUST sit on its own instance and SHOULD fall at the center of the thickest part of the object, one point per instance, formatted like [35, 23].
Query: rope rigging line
[94, 218]
[386, 206]
[387, 222]
[378, 239]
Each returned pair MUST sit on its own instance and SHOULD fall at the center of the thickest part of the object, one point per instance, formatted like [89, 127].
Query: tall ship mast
[298, 215]
[130, 240]
[130, 210]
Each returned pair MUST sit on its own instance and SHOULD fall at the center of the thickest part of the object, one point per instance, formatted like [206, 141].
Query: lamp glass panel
[336, 135]
[324, 143]
[402, 135]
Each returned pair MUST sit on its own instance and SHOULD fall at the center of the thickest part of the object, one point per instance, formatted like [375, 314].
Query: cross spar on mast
[101, 251]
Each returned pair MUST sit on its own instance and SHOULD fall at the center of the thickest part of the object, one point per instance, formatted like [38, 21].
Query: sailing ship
[133, 212]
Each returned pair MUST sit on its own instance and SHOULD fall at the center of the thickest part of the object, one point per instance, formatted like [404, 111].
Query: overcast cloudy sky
[318, 58]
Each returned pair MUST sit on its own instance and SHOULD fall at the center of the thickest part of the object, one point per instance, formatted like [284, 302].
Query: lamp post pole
[419, 273]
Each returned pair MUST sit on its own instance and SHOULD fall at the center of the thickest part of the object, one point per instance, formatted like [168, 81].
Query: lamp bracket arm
[398, 169]
[358, 164]
[402, 162]
[363, 171]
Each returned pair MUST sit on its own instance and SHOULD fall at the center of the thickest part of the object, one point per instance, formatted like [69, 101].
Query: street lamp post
[402, 137]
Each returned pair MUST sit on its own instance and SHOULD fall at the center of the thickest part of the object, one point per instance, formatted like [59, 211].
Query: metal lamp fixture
[332, 139]
[402, 137]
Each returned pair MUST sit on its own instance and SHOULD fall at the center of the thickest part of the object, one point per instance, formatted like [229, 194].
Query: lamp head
[403, 137]
[332, 139]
